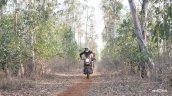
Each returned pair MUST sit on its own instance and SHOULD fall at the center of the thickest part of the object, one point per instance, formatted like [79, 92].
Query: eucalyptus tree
[32, 34]
[73, 12]
[10, 32]
[90, 34]
[33, 31]
[164, 25]
[139, 32]
[159, 25]
[111, 9]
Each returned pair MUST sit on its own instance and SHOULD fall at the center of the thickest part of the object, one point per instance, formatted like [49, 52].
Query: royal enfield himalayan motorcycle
[88, 67]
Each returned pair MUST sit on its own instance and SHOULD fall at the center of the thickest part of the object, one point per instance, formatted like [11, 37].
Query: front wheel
[88, 75]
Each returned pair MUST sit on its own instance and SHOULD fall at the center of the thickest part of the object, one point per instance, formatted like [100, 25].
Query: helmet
[86, 49]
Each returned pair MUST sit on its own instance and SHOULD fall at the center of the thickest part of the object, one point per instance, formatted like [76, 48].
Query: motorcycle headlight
[87, 60]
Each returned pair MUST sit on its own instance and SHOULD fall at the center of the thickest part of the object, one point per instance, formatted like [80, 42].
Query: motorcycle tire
[88, 76]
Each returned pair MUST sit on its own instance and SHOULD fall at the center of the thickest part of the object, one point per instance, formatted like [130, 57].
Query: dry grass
[15, 84]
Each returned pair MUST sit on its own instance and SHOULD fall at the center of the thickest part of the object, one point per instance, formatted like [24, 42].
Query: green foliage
[36, 30]
[70, 48]
[170, 11]
[2, 3]
[125, 45]
[13, 49]
[111, 9]
[159, 25]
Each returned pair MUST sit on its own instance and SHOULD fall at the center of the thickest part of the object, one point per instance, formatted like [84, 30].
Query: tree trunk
[138, 31]
[86, 33]
[5, 69]
[140, 40]
[1, 13]
[144, 72]
[33, 66]
[143, 18]
[15, 20]
[21, 71]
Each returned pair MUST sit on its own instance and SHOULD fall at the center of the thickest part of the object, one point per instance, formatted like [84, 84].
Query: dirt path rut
[78, 89]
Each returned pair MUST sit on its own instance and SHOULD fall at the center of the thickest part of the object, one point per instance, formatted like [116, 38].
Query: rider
[87, 53]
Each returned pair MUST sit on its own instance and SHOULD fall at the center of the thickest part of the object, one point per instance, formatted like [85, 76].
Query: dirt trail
[77, 90]
[81, 87]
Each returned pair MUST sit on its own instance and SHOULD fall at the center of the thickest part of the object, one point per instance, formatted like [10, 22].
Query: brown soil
[78, 89]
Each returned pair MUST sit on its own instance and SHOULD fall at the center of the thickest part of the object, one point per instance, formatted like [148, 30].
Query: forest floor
[98, 85]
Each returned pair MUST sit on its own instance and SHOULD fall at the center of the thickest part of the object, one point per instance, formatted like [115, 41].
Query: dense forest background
[39, 37]
[139, 40]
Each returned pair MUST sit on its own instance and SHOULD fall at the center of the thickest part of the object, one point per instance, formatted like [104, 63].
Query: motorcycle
[88, 67]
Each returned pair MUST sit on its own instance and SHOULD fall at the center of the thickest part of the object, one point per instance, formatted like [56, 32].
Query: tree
[111, 9]
[33, 32]
[138, 32]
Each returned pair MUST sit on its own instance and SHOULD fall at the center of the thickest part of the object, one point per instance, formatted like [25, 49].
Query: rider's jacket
[87, 54]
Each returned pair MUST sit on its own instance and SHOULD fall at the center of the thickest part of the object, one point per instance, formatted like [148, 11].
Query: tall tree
[138, 31]
[144, 18]
[111, 10]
